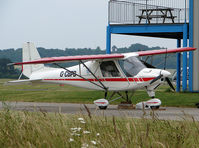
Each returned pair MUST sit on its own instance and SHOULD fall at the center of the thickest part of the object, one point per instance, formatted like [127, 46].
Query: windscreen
[131, 66]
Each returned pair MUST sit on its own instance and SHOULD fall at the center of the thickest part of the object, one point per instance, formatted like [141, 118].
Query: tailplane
[30, 53]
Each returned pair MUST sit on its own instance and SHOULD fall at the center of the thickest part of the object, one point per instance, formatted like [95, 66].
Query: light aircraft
[114, 73]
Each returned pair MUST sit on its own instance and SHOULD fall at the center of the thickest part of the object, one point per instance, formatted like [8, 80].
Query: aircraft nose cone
[165, 73]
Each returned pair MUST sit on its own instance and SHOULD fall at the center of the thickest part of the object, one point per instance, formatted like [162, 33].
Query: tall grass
[41, 129]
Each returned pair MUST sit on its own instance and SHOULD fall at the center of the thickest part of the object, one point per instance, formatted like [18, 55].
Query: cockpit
[109, 69]
[130, 67]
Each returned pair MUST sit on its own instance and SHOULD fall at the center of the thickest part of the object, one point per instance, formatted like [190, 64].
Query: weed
[39, 129]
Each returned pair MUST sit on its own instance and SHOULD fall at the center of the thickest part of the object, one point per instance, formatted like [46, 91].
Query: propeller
[170, 84]
[147, 64]
[160, 76]
[156, 79]
[166, 78]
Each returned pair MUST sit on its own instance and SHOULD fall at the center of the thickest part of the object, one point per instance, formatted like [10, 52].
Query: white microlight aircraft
[114, 73]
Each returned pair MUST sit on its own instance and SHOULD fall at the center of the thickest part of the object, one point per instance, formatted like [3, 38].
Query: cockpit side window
[109, 69]
[131, 66]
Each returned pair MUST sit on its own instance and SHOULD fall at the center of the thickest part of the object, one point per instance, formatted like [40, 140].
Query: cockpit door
[113, 76]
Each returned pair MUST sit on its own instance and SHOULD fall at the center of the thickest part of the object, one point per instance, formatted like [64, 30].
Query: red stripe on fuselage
[106, 79]
[152, 102]
[100, 102]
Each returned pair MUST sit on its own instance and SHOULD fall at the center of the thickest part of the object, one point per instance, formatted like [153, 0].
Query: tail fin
[30, 53]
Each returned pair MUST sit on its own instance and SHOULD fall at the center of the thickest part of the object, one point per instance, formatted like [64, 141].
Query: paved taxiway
[171, 113]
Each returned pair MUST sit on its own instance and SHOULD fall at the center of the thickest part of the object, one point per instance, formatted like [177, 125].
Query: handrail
[125, 12]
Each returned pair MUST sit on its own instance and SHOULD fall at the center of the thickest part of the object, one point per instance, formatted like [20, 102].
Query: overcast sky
[62, 24]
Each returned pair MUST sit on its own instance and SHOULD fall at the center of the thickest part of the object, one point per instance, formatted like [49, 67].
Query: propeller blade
[147, 64]
[156, 79]
[156, 86]
[169, 82]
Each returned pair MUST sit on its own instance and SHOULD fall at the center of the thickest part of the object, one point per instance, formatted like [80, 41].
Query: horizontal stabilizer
[21, 82]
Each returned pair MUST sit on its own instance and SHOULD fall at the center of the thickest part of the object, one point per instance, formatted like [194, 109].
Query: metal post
[178, 71]
[185, 11]
[196, 45]
[108, 40]
[184, 72]
[147, 13]
[191, 45]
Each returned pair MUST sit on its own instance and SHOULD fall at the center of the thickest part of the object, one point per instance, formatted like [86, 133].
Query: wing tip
[10, 64]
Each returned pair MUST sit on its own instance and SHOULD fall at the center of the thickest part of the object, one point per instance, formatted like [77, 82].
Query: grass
[40, 129]
[69, 94]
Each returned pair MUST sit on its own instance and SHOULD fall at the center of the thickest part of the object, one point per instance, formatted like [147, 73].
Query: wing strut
[80, 76]
[105, 88]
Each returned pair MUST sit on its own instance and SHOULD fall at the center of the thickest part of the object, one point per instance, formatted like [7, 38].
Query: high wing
[164, 51]
[104, 56]
[72, 59]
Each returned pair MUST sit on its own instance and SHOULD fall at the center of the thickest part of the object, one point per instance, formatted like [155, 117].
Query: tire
[103, 107]
[197, 105]
[155, 107]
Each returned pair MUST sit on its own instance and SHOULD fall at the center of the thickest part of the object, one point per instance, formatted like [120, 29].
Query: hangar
[171, 19]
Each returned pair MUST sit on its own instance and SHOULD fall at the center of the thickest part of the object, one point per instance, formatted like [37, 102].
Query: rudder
[30, 53]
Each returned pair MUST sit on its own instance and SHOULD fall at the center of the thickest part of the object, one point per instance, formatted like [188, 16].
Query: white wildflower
[71, 140]
[81, 119]
[98, 134]
[75, 134]
[84, 145]
[93, 142]
[86, 132]
[75, 129]
[83, 122]
[78, 129]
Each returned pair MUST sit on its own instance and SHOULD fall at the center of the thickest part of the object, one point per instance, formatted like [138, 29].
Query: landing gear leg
[151, 93]
[105, 95]
[127, 97]
[127, 104]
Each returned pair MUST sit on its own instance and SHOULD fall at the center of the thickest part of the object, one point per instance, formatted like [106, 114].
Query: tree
[114, 48]
[7, 71]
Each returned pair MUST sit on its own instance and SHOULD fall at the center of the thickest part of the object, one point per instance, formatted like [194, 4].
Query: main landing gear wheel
[103, 107]
[101, 103]
[197, 105]
[155, 107]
